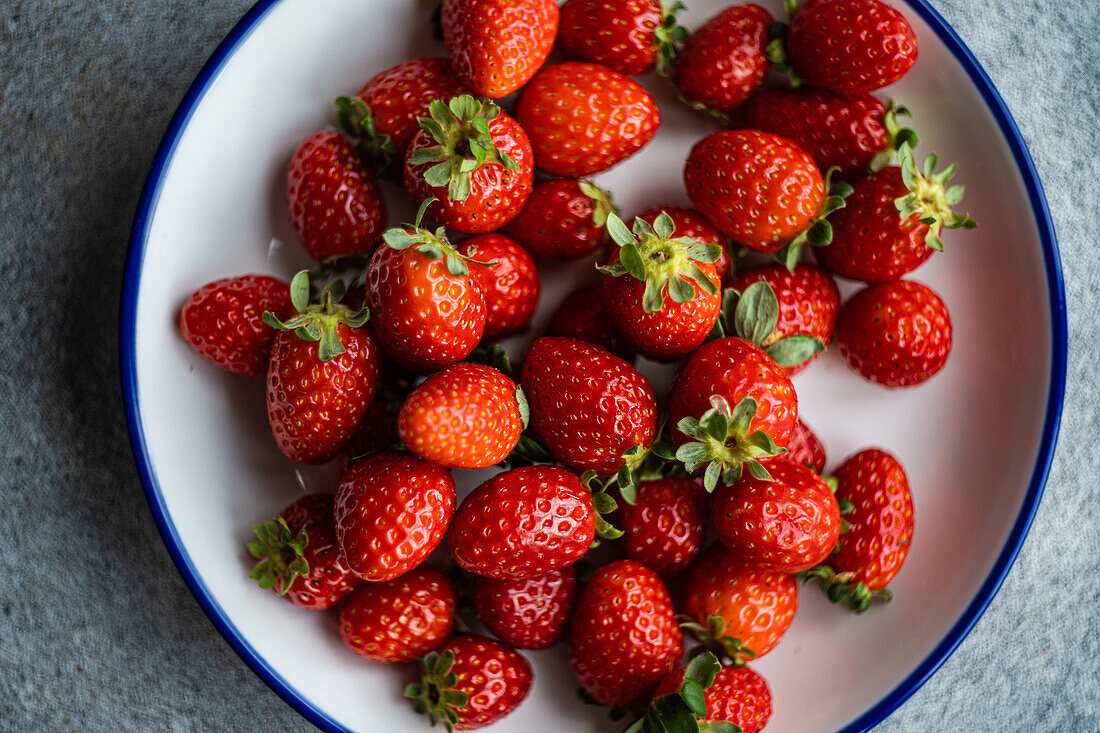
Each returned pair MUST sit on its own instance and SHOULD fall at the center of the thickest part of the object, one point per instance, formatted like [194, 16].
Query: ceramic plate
[215, 201]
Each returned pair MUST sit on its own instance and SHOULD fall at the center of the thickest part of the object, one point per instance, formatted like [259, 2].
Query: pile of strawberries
[384, 356]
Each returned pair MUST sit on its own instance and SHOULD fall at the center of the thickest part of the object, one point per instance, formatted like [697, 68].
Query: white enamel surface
[969, 437]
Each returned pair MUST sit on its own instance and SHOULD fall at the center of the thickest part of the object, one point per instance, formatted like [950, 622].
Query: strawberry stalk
[715, 641]
[843, 588]
[898, 135]
[281, 555]
[930, 198]
[820, 232]
[603, 503]
[723, 444]
[669, 37]
[753, 316]
[355, 119]
[683, 709]
[601, 201]
[431, 244]
[319, 321]
[435, 695]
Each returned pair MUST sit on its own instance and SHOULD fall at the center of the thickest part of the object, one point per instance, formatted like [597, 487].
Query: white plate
[976, 440]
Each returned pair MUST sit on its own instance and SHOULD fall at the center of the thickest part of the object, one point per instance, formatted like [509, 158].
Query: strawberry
[624, 637]
[564, 219]
[664, 527]
[808, 302]
[725, 372]
[470, 683]
[874, 488]
[299, 557]
[465, 416]
[806, 448]
[724, 60]
[584, 118]
[897, 333]
[511, 285]
[850, 46]
[524, 522]
[738, 695]
[583, 315]
[892, 221]
[318, 392]
[223, 321]
[743, 611]
[474, 160]
[786, 524]
[630, 37]
[392, 509]
[428, 311]
[335, 206]
[690, 223]
[588, 406]
[532, 613]
[401, 619]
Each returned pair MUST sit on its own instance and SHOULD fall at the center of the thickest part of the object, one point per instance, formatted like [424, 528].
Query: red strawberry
[335, 206]
[564, 219]
[754, 607]
[725, 59]
[497, 45]
[897, 334]
[624, 638]
[583, 315]
[786, 524]
[806, 448]
[392, 510]
[402, 619]
[664, 527]
[474, 160]
[428, 311]
[532, 613]
[223, 320]
[318, 392]
[892, 221]
[629, 37]
[850, 46]
[465, 416]
[738, 695]
[584, 118]
[298, 555]
[470, 683]
[730, 387]
[522, 523]
[871, 552]
[511, 286]
[588, 406]
[690, 223]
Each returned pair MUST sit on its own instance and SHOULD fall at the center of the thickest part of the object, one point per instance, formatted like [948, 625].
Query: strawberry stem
[280, 554]
[723, 444]
[319, 322]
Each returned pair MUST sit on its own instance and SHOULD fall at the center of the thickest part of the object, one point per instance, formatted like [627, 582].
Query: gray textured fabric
[97, 629]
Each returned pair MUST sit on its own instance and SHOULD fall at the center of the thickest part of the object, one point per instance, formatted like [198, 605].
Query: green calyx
[319, 321]
[355, 119]
[281, 555]
[820, 232]
[930, 198]
[645, 463]
[434, 245]
[722, 443]
[461, 127]
[681, 711]
[669, 37]
[652, 255]
[601, 202]
[714, 639]
[753, 315]
[898, 135]
[843, 588]
[435, 695]
[603, 503]
[776, 50]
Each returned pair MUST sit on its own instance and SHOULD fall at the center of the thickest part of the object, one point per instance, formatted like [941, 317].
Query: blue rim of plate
[884, 707]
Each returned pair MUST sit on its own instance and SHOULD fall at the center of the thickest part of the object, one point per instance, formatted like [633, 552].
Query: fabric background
[98, 630]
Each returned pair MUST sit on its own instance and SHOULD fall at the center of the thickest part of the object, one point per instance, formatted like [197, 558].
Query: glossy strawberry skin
[425, 317]
[588, 406]
[313, 407]
[330, 580]
[724, 60]
[465, 416]
[522, 523]
[734, 369]
[897, 334]
[882, 521]
[584, 118]
[739, 695]
[497, 194]
[756, 187]
[664, 528]
[392, 510]
[495, 678]
[401, 619]
[497, 45]
[850, 46]
[835, 129]
[617, 34]
[583, 315]
[806, 448]
[870, 241]
[690, 223]
[556, 223]
[335, 206]
[757, 606]
[808, 302]
[624, 638]
[223, 321]
[511, 286]
[785, 525]
[532, 613]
